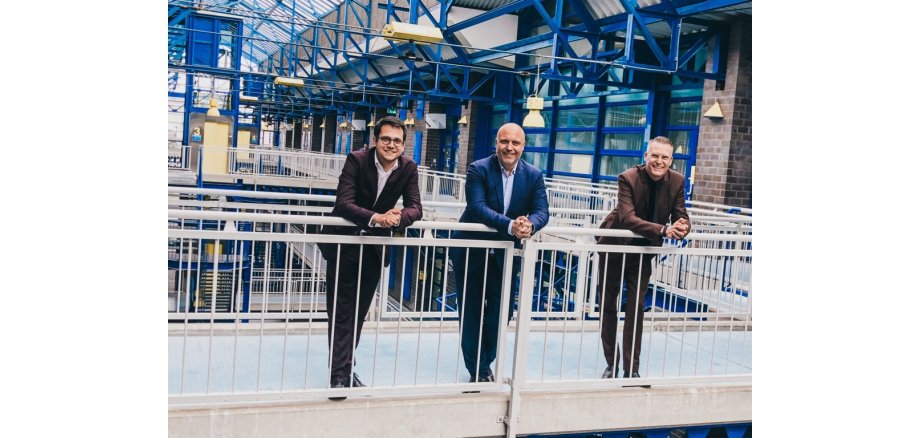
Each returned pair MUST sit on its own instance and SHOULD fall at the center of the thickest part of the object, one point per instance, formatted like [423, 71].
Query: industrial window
[684, 113]
[536, 151]
[573, 163]
[613, 166]
[575, 141]
[538, 159]
[228, 46]
[680, 166]
[624, 141]
[680, 140]
[578, 118]
[537, 141]
[683, 129]
[499, 116]
[625, 116]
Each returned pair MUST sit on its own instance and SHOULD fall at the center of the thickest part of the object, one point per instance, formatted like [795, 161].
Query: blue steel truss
[327, 43]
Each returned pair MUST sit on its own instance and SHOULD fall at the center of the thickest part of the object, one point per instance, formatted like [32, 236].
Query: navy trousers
[478, 280]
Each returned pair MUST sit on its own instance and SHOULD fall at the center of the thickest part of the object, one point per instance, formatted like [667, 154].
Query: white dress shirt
[508, 184]
[382, 176]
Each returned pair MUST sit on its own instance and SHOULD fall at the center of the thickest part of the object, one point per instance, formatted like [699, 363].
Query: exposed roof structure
[270, 21]
[335, 46]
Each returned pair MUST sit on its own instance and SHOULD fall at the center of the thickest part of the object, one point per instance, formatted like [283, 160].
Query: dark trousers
[347, 301]
[635, 274]
[479, 304]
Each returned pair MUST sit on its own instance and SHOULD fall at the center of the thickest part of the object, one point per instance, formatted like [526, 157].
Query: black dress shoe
[337, 383]
[610, 373]
[485, 376]
[356, 382]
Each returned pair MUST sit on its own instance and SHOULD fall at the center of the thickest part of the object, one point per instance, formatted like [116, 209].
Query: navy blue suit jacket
[485, 199]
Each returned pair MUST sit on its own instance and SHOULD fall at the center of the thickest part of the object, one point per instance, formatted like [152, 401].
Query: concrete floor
[298, 361]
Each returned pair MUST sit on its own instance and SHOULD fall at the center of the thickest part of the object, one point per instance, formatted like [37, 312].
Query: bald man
[509, 195]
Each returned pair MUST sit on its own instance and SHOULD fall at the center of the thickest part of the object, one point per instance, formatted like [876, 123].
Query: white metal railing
[704, 221]
[441, 186]
[178, 156]
[574, 202]
[284, 163]
[223, 342]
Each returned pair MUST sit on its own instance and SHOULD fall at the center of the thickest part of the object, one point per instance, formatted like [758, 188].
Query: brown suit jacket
[354, 197]
[632, 205]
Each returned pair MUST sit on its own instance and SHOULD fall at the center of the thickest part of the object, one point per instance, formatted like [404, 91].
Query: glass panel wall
[578, 118]
[684, 114]
[613, 166]
[575, 141]
[680, 140]
[625, 116]
[624, 141]
[572, 163]
[538, 159]
[599, 137]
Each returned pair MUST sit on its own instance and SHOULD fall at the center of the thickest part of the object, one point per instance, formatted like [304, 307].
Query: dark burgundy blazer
[354, 197]
[632, 202]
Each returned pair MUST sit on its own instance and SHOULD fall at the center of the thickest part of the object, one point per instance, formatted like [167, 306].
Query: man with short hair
[648, 196]
[371, 182]
[508, 194]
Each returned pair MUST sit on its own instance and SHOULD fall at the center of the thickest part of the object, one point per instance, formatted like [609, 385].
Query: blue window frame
[598, 138]
[683, 130]
[622, 137]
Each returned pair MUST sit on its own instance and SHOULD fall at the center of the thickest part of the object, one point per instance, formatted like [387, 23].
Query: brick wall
[431, 137]
[331, 126]
[724, 152]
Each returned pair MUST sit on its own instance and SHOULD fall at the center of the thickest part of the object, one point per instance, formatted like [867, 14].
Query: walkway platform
[284, 394]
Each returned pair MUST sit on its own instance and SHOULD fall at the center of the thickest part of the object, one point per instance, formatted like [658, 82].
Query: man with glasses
[371, 182]
[648, 197]
[507, 194]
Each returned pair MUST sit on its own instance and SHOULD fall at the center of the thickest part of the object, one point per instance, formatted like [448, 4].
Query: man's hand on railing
[521, 227]
[678, 229]
[388, 219]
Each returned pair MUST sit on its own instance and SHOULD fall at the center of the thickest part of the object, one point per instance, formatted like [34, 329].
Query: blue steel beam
[446, 70]
[669, 7]
[359, 73]
[351, 6]
[268, 55]
[413, 11]
[486, 78]
[608, 25]
[459, 51]
[525, 45]
[563, 79]
[440, 67]
[631, 8]
[451, 38]
[482, 18]
[451, 98]
[409, 64]
[702, 41]
[180, 17]
[565, 87]
[555, 25]
[582, 12]
[423, 8]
